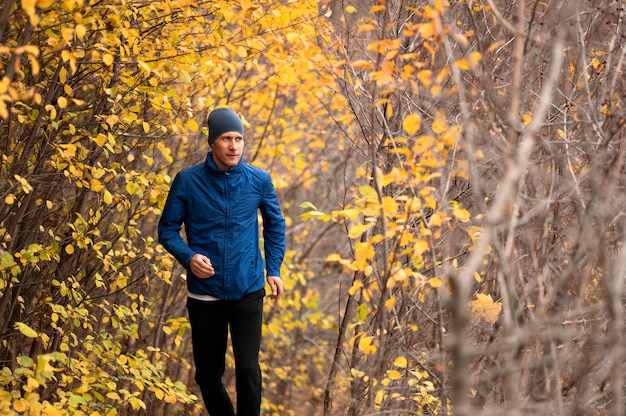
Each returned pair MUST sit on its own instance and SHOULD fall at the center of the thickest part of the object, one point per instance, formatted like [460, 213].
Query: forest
[452, 174]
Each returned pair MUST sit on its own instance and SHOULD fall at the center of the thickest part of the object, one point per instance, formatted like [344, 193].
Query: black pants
[210, 322]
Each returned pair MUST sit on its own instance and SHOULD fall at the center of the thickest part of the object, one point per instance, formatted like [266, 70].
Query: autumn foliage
[452, 175]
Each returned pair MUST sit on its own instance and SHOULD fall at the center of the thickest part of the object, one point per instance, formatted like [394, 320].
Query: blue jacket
[219, 210]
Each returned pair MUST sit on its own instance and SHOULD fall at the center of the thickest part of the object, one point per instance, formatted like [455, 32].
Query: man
[218, 202]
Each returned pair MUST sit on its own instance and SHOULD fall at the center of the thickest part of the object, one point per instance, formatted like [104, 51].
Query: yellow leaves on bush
[483, 307]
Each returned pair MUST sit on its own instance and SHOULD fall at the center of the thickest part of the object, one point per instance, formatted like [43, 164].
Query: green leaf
[307, 204]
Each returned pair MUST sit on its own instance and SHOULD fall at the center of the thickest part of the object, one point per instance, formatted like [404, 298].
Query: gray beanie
[222, 120]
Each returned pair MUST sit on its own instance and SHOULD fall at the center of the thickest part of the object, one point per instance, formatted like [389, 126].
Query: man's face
[227, 149]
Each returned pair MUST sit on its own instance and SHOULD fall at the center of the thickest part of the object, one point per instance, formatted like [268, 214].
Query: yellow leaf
[357, 373]
[69, 249]
[362, 64]
[20, 405]
[145, 66]
[192, 124]
[394, 374]
[357, 230]
[411, 123]
[96, 185]
[158, 393]
[401, 362]
[44, 4]
[349, 213]
[358, 284]
[108, 198]
[473, 58]
[113, 395]
[82, 389]
[350, 9]
[146, 127]
[390, 205]
[107, 59]
[112, 120]
[425, 76]
[9, 199]
[427, 30]
[26, 330]
[495, 46]
[81, 31]
[485, 308]
[420, 246]
[242, 52]
[435, 282]
[463, 64]
[461, 214]
[52, 110]
[366, 28]
[365, 345]
[334, 257]
[101, 139]
[440, 124]
[362, 252]
[29, 6]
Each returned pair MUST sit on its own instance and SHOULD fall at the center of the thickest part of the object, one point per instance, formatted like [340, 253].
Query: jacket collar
[212, 168]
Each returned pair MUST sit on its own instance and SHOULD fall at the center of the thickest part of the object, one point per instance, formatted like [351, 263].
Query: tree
[483, 239]
[100, 105]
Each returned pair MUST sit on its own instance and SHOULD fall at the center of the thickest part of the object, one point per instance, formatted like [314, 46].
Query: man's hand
[201, 266]
[276, 284]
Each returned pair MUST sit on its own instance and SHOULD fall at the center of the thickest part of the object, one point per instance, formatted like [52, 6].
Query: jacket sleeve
[170, 223]
[273, 230]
